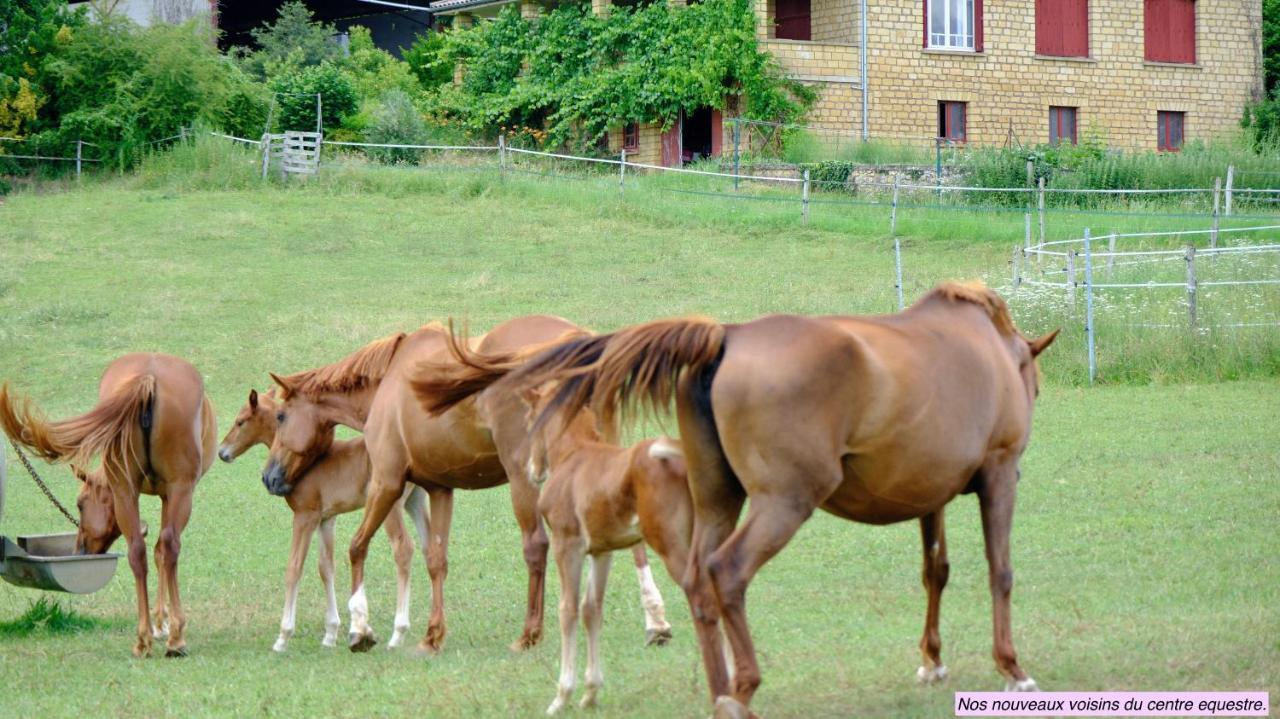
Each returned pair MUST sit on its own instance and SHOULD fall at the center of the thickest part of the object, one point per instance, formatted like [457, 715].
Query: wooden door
[671, 148]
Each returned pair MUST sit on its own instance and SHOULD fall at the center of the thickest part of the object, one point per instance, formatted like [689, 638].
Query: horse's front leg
[657, 631]
[384, 490]
[437, 551]
[304, 525]
[570, 552]
[936, 570]
[402, 552]
[996, 500]
[332, 622]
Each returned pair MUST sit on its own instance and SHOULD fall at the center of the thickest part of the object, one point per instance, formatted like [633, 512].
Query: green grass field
[1144, 541]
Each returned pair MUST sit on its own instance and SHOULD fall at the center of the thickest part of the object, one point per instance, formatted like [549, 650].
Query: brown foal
[335, 484]
[155, 430]
[873, 419]
[596, 498]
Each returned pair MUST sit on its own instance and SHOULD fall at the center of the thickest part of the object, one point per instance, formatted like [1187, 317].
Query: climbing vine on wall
[575, 74]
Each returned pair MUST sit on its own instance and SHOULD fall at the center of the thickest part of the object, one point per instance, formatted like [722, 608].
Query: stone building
[1144, 74]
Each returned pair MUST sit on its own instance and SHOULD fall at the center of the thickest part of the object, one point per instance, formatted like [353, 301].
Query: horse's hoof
[428, 647]
[524, 643]
[1022, 685]
[160, 632]
[280, 646]
[175, 652]
[657, 637]
[931, 675]
[142, 649]
[329, 640]
[729, 708]
[362, 643]
[556, 707]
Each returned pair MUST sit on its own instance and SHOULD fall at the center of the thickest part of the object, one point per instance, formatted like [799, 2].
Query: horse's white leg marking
[593, 618]
[332, 622]
[931, 675]
[655, 611]
[569, 555]
[1024, 685]
[359, 608]
[728, 654]
[402, 605]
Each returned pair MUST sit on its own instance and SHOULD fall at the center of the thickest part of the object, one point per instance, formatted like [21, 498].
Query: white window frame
[947, 10]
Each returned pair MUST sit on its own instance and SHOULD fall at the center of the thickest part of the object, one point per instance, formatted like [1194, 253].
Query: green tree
[1271, 44]
[296, 96]
[295, 40]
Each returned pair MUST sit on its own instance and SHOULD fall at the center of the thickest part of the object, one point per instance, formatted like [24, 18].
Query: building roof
[450, 7]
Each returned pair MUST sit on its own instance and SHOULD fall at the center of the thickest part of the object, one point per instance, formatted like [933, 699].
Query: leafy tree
[1271, 44]
[295, 40]
[395, 121]
[28, 32]
[424, 60]
[296, 96]
[374, 71]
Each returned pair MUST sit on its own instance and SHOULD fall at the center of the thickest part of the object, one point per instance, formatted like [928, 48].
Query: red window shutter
[1170, 30]
[1062, 28]
[977, 25]
[791, 19]
[925, 14]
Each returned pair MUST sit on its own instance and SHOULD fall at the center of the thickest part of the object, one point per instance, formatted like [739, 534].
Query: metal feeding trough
[49, 561]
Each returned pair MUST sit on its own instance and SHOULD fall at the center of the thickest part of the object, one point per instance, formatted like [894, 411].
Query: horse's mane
[352, 373]
[979, 294]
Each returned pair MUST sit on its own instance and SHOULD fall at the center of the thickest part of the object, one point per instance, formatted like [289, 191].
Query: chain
[43, 487]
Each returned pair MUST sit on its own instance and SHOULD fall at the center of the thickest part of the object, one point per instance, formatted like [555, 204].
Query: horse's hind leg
[176, 511]
[437, 551]
[159, 613]
[524, 500]
[570, 552]
[996, 500]
[593, 619]
[402, 551]
[125, 499]
[657, 631]
[936, 570]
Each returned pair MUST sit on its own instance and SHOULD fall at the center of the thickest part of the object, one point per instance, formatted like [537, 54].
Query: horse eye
[240, 423]
[280, 417]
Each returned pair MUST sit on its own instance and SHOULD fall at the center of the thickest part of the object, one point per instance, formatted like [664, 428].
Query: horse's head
[255, 423]
[98, 528]
[304, 432]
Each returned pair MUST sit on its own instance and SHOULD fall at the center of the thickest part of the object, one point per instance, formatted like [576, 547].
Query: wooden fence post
[1040, 204]
[319, 115]
[622, 170]
[502, 152]
[1217, 198]
[1088, 307]
[1191, 284]
[1231, 176]
[893, 214]
[79, 156]
[1111, 253]
[1071, 278]
[804, 198]
[737, 150]
[266, 154]
[1013, 263]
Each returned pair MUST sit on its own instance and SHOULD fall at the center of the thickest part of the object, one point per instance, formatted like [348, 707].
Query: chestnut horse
[155, 430]
[597, 497]
[873, 419]
[334, 485]
[477, 445]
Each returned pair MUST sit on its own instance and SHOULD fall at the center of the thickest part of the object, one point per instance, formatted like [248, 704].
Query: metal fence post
[622, 170]
[893, 213]
[1071, 279]
[1231, 176]
[1217, 197]
[897, 268]
[1191, 284]
[1089, 328]
[804, 198]
[502, 152]
[737, 150]
[79, 156]
[1040, 205]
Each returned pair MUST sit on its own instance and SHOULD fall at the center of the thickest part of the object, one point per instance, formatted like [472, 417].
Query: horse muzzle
[273, 478]
[224, 454]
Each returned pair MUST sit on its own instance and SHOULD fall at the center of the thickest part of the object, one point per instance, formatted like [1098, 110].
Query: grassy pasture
[1144, 540]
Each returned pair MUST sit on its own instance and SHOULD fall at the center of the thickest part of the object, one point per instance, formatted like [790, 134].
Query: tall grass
[44, 616]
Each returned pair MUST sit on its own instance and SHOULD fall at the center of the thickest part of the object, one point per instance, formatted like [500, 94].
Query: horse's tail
[441, 385]
[106, 430]
[639, 365]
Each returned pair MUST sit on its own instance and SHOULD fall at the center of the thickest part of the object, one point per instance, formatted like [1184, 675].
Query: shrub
[427, 61]
[375, 71]
[1261, 122]
[395, 121]
[295, 94]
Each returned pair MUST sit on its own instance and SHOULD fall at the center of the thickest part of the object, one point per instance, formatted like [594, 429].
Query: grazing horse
[477, 445]
[873, 419]
[155, 430]
[597, 497]
[335, 484]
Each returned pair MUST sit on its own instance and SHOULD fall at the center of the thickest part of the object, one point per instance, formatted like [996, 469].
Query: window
[1169, 127]
[791, 20]
[1062, 28]
[631, 136]
[953, 24]
[1170, 30]
[1062, 125]
[951, 121]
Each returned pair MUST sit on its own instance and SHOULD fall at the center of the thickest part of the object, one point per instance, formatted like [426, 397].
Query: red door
[717, 133]
[671, 146]
[791, 18]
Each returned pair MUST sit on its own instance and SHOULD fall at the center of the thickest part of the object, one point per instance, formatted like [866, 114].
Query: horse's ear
[285, 389]
[79, 473]
[253, 399]
[1040, 344]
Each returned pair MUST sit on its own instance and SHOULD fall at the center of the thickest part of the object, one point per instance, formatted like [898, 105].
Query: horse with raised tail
[154, 428]
[874, 419]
